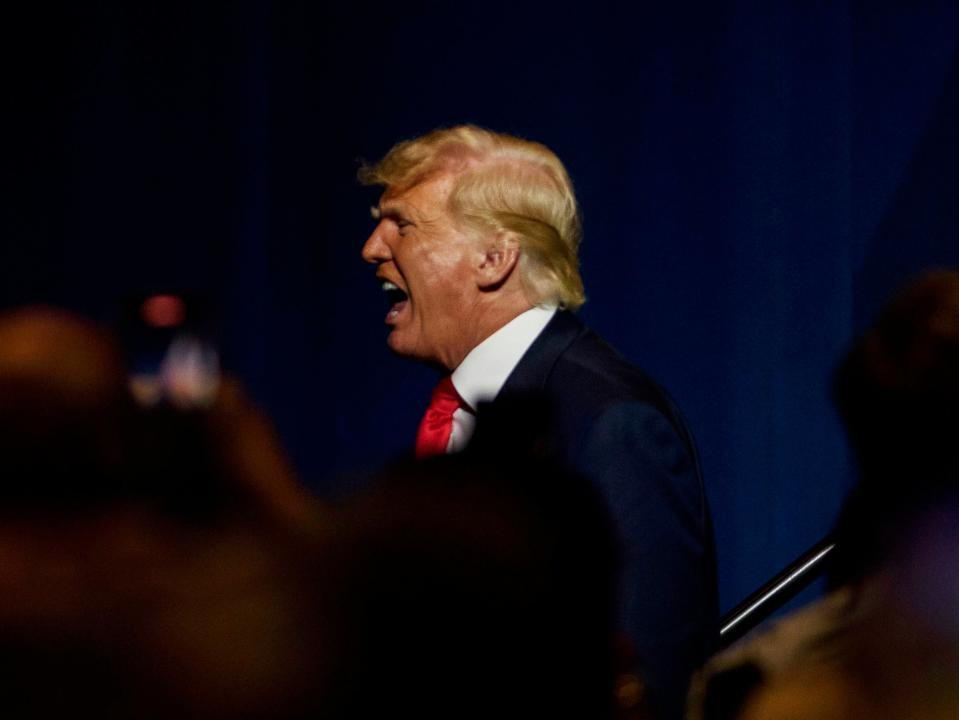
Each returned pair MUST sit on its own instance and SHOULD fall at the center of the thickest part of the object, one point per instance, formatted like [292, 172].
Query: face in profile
[427, 266]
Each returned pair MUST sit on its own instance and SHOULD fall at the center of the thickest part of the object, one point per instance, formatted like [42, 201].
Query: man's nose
[375, 250]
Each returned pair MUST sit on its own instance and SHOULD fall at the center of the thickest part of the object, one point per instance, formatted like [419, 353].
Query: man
[476, 246]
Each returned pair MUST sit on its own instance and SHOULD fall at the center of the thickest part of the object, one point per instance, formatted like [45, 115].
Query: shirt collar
[484, 371]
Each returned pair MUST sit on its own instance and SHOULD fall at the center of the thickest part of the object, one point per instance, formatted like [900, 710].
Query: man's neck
[487, 321]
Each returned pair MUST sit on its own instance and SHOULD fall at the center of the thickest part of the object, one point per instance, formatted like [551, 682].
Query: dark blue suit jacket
[615, 425]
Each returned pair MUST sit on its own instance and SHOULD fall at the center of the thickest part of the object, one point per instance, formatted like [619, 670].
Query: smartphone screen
[171, 354]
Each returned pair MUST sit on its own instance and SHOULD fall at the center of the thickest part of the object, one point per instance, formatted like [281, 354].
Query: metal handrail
[793, 579]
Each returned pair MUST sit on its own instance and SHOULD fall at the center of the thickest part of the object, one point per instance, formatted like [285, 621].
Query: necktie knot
[436, 427]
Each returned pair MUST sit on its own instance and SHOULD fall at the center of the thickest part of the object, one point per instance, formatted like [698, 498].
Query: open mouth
[397, 299]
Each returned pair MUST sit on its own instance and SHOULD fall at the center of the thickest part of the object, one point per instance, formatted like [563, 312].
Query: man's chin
[400, 345]
[404, 346]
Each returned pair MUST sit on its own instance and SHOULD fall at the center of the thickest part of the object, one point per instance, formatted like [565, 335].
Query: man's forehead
[431, 191]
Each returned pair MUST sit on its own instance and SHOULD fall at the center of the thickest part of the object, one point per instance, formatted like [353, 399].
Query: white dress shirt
[483, 372]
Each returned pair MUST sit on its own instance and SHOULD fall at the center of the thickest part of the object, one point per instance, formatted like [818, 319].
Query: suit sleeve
[650, 480]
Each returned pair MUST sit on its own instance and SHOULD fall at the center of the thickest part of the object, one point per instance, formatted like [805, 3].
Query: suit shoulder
[593, 370]
[591, 380]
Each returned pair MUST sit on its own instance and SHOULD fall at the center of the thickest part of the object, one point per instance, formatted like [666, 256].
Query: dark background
[756, 178]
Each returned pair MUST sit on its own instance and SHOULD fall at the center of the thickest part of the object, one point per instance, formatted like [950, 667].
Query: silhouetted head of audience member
[899, 386]
[898, 393]
[477, 585]
[64, 411]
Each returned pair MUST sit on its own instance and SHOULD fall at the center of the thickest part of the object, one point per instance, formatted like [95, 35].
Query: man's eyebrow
[389, 209]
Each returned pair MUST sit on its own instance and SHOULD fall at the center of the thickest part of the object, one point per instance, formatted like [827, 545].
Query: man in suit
[476, 246]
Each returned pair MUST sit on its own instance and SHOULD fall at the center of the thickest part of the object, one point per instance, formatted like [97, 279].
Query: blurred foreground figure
[64, 414]
[152, 565]
[477, 589]
[476, 247]
[885, 642]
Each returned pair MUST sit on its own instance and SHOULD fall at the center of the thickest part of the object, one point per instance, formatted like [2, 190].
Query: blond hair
[503, 184]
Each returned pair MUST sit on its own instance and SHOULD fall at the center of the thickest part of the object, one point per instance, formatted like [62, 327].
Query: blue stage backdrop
[755, 179]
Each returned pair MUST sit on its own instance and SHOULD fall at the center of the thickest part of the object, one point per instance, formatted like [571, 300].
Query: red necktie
[437, 424]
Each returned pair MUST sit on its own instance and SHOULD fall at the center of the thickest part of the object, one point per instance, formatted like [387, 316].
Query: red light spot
[163, 311]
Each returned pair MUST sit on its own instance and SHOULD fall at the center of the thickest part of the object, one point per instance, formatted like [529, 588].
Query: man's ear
[497, 262]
